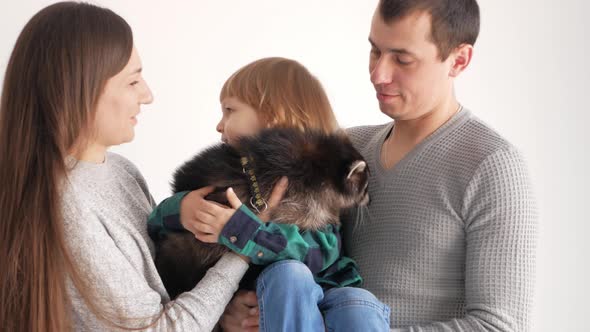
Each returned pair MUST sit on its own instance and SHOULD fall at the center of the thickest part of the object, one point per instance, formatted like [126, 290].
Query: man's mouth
[386, 97]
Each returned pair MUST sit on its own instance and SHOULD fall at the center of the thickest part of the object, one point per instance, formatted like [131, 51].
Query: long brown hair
[58, 68]
[283, 93]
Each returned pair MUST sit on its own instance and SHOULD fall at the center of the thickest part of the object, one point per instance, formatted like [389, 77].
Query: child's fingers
[210, 207]
[205, 191]
[204, 228]
[205, 237]
[205, 218]
[233, 199]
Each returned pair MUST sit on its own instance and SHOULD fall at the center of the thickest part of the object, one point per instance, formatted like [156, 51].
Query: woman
[73, 241]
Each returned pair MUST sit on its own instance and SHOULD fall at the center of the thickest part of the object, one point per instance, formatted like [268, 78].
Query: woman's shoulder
[128, 171]
[117, 160]
[122, 166]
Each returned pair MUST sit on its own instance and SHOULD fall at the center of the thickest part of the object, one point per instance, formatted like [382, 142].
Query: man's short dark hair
[454, 22]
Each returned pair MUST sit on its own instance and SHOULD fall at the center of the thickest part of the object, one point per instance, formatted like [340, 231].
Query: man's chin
[391, 111]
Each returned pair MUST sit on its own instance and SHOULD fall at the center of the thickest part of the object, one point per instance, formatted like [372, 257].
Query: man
[448, 240]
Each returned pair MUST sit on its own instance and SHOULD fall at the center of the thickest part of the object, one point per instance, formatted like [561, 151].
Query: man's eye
[403, 61]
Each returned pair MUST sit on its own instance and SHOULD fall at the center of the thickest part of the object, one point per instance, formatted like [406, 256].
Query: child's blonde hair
[284, 94]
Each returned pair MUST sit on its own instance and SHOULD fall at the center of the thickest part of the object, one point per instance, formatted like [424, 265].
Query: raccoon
[326, 174]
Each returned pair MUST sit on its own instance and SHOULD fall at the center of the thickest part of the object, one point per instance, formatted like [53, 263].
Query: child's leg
[353, 309]
[288, 298]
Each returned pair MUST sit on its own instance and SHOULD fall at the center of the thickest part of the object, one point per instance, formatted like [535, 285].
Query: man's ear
[460, 57]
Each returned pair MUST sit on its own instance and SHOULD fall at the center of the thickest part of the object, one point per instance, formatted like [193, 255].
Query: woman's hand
[205, 219]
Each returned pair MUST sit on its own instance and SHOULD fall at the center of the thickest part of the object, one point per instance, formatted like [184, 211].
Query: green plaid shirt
[266, 243]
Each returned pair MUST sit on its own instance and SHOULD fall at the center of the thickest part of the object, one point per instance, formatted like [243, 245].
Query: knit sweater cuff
[230, 266]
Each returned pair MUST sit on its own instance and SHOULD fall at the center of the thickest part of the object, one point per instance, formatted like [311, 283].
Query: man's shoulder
[478, 137]
[469, 146]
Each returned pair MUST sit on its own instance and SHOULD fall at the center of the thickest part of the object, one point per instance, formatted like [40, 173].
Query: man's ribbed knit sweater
[448, 239]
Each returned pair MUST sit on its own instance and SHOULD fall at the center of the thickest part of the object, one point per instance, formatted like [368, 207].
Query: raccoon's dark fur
[326, 173]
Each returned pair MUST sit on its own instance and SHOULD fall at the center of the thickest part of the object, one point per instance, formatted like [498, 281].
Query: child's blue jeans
[290, 300]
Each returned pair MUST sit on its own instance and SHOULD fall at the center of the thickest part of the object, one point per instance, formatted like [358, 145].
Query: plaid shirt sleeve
[266, 243]
[166, 216]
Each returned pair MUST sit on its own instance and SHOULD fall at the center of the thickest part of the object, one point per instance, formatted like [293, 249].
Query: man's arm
[501, 235]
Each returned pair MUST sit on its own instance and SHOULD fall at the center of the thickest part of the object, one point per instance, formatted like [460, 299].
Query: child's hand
[205, 219]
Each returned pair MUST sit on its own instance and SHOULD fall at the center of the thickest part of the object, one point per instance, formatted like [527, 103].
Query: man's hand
[241, 314]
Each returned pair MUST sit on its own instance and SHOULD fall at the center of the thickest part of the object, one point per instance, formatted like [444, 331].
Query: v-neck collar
[384, 174]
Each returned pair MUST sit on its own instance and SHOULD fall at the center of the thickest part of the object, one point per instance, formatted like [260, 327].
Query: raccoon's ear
[357, 175]
[357, 167]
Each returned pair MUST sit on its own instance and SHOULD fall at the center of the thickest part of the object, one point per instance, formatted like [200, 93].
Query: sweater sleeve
[131, 288]
[500, 218]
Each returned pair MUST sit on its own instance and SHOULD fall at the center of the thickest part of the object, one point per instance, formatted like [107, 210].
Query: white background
[529, 79]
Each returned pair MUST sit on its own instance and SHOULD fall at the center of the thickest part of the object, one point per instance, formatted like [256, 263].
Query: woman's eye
[134, 83]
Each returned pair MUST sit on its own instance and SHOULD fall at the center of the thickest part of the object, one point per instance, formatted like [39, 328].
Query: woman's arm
[124, 279]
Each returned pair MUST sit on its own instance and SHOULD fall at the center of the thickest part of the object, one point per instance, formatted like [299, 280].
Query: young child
[308, 285]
